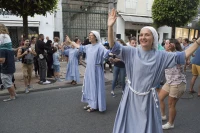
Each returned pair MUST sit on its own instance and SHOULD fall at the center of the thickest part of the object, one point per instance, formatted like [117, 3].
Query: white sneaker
[26, 90]
[9, 99]
[164, 117]
[167, 126]
[46, 82]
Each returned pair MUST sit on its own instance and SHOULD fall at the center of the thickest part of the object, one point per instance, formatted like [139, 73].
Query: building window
[131, 4]
[182, 32]
[196, 34]
[191, 34]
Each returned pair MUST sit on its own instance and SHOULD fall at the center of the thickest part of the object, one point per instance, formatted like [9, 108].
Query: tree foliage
[25, 8]
[174, 13]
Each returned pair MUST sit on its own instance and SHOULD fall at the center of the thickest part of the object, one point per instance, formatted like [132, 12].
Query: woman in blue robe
[93, 84]
[72, 72]
[139, 110]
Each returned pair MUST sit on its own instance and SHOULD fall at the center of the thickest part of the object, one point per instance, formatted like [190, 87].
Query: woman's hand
[68, 40]
[112, 18]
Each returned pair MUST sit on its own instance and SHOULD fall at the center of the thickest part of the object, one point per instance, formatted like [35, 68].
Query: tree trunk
[173, 31]
[25, 26]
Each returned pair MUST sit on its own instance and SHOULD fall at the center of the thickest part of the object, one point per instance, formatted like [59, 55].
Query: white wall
[47, 25]
[162, 30]
[58, 20]
[130, 25]
[135, 7]
[120, 27]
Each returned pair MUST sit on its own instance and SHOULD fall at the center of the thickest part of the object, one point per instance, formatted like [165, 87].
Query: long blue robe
[72, 72]
[141, 113]
[94, 84]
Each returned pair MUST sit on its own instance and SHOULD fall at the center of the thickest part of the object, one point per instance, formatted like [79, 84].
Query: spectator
[50, 47]
[56, 65]
[40, 47]
[7, 61]
[195, 71]
[133, 42]
[35, 59]
[27, 54]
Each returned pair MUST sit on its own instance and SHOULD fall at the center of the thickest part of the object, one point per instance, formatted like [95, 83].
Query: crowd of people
[140, 68]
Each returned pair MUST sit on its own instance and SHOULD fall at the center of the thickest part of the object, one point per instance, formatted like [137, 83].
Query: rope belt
[144, 93]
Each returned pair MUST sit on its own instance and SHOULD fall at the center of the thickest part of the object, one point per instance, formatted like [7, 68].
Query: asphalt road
[60, 111]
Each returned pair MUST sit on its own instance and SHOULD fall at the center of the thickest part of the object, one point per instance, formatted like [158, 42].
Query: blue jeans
[121, 72]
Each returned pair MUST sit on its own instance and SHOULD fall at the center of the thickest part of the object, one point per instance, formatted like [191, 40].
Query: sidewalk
[56, 85]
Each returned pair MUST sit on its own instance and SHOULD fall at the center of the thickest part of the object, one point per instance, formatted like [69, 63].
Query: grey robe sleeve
[171, 59]
[122, 51]
[106, 53]
[82, 49]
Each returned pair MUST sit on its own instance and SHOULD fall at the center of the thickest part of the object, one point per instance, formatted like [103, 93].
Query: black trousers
[42, 69]
[49, 67]
[36, 65]
[110, 65]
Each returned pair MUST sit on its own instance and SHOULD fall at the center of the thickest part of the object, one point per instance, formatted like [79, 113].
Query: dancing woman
[174, 87]
[93, 84]
[139, 110]
[72, 65]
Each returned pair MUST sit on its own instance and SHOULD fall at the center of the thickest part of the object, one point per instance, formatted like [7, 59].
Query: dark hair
[133, 38]
[25, 39]
[54, 49]
[177, 44]
[33, 37]
[48, 43]
[122, 42]
[129, 38]
[86, 42]
[75, 40]
[41, 35]
[186, 40]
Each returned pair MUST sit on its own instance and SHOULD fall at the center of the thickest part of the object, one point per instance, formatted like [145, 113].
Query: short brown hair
[56, 39]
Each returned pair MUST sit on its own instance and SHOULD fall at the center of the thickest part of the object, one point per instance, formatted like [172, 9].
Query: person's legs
[110, 66]
[40, 69]
[36, 66]
[198, 70]
[25, 74]
[172, 109]
[30, 70]
[43, 68]
[195, 75]
[7, 83]
[164, 92]
[122, 77]
[176, 91]
[115, 77]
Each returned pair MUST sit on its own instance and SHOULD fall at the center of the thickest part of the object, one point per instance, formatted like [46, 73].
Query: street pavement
[60, 110]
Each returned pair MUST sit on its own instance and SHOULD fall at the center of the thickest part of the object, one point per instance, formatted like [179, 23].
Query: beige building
[135, 14]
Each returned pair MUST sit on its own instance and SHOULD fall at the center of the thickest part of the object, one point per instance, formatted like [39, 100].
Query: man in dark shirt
[40, 48]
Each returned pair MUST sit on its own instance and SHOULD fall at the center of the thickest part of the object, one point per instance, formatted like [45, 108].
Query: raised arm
[72, 43]
[192, 48]
[111, 21]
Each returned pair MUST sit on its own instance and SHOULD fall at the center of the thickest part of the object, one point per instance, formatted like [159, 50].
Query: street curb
[50, 88]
